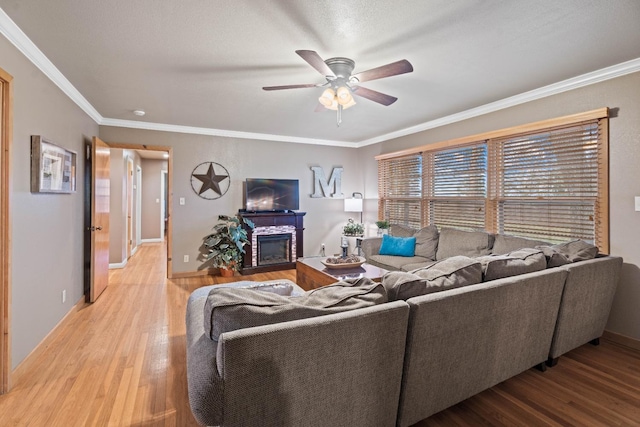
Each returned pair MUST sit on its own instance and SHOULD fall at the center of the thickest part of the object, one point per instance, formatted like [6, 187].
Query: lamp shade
[353, 205]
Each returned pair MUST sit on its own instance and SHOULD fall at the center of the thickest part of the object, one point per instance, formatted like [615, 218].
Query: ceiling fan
[342, 84]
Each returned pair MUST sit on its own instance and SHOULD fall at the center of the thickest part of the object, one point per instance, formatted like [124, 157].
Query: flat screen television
[271, 195]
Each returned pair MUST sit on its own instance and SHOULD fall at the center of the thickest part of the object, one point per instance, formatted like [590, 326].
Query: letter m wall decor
[322, 188]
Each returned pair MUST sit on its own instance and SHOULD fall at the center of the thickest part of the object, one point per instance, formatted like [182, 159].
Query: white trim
[220, 132]
[587, 79]
[163, 190]
[128, 244]
[138, 205]
[134, 250]
[117, 265]
[18, 38]
[155, 240]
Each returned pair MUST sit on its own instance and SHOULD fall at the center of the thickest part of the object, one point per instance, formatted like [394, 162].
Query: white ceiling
[202, 63]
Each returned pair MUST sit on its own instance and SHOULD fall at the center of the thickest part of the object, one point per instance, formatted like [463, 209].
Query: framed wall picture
[53, 168]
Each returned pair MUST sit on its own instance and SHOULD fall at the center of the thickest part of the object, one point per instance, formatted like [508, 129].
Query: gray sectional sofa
[395, 353]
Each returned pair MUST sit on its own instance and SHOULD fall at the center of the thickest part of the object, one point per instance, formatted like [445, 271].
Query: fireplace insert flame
[274, 249]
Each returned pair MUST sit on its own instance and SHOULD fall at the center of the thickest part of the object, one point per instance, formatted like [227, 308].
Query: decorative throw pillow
[228, 309]
[282, 288]
[504, 244]
[398, 246]
[450, 273]
[554, 258]
[522, 261]
[454, 242]
[568, 252]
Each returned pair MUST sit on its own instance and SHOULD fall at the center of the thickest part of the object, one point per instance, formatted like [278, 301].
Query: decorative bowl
[345, 265]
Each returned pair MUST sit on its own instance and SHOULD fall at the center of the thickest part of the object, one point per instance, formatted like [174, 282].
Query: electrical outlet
[322, 244]
[186, 258]
[64, 296]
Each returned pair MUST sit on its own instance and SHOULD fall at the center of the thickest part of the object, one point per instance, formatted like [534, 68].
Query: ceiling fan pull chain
[339, 114]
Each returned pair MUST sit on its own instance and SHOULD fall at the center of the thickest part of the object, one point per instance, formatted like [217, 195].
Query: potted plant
[383, 227]
[353, 228]
[226, 244]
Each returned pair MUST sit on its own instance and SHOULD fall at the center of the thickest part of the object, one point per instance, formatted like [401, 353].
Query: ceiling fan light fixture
[349, 104]
[327, 98]
[344, 95]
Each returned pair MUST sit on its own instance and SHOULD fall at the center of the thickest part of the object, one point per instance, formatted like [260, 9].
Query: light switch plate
[637, 198]
[182, 201]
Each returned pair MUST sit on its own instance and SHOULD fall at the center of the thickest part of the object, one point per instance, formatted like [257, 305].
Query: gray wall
[151, 198]
[47, 243]
[624, 143]
[248, 159]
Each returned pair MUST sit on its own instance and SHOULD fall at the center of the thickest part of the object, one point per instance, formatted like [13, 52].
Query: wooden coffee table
[312, 274]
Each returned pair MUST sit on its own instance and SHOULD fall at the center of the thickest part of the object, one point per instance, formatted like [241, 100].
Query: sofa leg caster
[541, 367]
[551, 362]
[595, 341]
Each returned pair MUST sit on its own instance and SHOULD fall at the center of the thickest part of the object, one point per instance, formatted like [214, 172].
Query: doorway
[168, 191]
[6, 129]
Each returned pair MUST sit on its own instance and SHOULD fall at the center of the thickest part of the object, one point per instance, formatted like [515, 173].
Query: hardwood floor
[121, 361]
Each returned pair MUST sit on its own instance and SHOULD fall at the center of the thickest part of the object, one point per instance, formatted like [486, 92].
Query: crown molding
[587, 79]
[162, 127]
[19, 39]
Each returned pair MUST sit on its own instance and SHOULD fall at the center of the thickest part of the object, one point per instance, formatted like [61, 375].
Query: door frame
[133, 146]
[129, 219]
[6, 135]
[163, 202]
[138, 205]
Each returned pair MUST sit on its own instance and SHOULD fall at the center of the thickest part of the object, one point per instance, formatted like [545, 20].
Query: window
[400, 181]
[546, 180]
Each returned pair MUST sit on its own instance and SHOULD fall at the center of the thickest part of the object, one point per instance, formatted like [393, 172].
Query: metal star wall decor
[210, 180]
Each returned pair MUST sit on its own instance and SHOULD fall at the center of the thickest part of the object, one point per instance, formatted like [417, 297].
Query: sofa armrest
[371, 246]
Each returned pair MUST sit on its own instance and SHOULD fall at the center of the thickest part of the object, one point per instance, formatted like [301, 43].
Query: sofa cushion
[416, 265]
[400, 230]
[450, 273]
[526, 260]
[427, 242]
[228, 309]
[390, 262]
[398, 246]
[454, 242]
[504, 244]
[568, 252]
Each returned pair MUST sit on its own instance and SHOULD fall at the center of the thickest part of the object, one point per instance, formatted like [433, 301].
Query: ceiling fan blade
[290, 87]
[393, 69]
[374, 96]
[319, 108]
[316, 62]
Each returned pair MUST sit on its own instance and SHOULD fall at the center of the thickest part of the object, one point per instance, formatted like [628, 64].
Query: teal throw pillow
[398, 246]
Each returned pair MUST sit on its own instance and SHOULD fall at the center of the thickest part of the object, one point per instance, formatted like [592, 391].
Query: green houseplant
[383, 227]
[353, 228]
[225, 245]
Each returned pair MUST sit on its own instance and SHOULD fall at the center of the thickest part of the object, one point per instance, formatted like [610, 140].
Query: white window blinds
[546, 183]
[546, 180]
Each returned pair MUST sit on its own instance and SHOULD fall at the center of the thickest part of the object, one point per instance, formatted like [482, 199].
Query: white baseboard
[133, 251]
[117, 265]
[157, 240]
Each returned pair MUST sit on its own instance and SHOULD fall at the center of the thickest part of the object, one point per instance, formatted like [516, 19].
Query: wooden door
[5, 230]
[99, 227]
